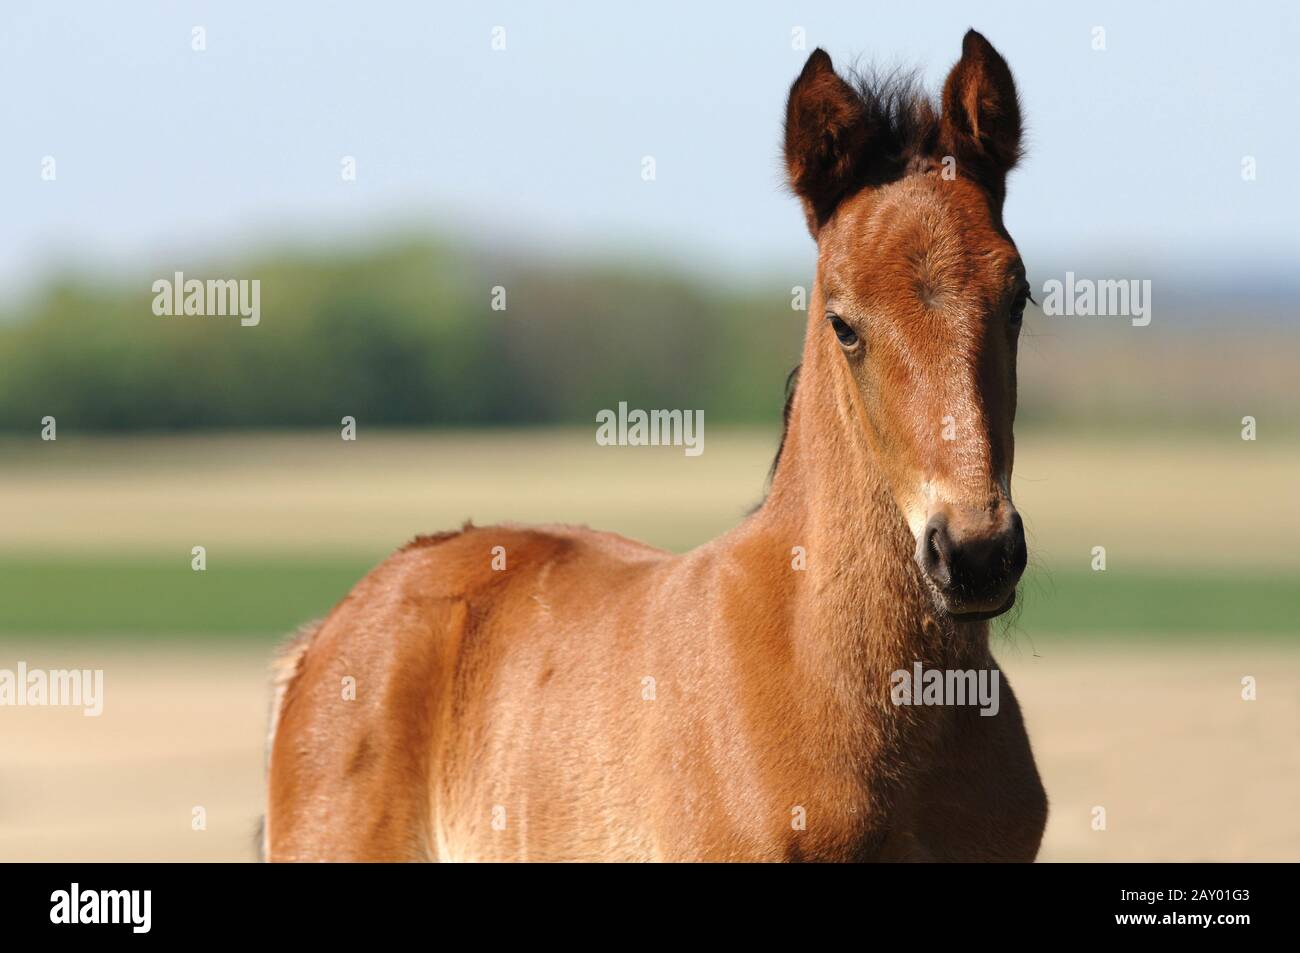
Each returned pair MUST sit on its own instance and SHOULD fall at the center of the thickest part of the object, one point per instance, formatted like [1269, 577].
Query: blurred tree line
[403, 333]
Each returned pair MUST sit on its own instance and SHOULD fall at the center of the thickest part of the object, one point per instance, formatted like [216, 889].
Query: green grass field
[97, 532]
[264, 599]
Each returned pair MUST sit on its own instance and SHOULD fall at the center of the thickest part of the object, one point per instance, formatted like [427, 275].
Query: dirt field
[1184, 769]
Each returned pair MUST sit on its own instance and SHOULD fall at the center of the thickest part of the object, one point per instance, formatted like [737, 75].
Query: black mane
[791, 383]
[903, 120]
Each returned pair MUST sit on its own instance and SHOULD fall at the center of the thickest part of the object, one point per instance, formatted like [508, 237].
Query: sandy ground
[1159, 737]
[180, 729]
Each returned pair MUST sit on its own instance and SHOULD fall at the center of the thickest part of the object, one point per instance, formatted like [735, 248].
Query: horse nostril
[977, 568]
[935, 552]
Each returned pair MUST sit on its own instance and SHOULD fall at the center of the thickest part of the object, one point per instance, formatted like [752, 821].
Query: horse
[554, 693]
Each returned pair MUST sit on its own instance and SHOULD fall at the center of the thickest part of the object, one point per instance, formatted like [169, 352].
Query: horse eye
[1018, 309]
[848, 338]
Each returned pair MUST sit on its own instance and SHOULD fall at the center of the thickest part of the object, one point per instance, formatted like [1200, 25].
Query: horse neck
[861, 610]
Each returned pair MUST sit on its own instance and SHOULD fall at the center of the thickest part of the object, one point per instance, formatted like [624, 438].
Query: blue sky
[164, 154]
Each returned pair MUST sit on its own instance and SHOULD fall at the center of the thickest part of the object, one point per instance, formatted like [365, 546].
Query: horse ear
[825, 135]
[981, 113]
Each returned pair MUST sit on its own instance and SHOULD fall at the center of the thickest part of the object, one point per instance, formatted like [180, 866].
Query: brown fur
[522, 695]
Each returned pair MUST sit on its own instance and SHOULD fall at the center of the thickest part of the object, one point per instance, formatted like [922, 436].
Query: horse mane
[791, 383]
[902, 117]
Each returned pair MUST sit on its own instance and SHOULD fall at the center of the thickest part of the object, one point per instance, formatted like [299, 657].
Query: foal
[595, 698]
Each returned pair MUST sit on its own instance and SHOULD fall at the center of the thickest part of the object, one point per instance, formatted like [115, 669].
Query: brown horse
[595, 698]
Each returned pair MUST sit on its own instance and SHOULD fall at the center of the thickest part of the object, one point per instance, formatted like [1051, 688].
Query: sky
[162, 152]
